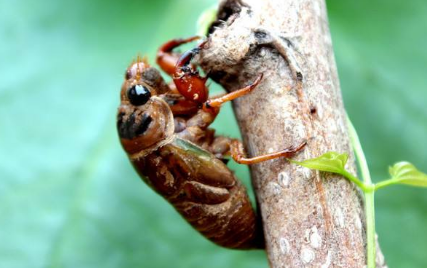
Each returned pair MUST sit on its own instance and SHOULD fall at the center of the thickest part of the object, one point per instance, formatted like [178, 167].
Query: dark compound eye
[138, 95]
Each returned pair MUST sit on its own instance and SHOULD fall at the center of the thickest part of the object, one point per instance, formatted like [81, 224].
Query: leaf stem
[358, 151]
[355, 180]
[384, 183]
[369, 190]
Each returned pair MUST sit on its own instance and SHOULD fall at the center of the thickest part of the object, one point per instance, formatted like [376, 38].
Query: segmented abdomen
[205, 192]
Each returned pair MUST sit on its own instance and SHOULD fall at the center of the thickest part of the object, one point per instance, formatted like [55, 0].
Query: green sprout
[400, 173]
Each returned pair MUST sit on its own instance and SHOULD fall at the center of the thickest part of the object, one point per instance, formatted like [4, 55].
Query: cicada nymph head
[144, 120]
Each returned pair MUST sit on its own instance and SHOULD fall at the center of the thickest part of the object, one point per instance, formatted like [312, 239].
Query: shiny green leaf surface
[68, 194]
[331, 162]
[328, 162]
[406, 173]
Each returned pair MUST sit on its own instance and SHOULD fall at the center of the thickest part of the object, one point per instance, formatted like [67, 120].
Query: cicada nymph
[165, 131]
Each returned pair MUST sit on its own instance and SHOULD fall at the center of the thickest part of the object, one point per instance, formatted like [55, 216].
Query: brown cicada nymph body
[164, 130]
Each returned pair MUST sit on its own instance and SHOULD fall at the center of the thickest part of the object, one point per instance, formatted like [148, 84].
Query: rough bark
[310, 219]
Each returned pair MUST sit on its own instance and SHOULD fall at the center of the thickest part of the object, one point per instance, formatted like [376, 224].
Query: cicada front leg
[188, 80]
[196, 127]
[188, 90]
[166, 58]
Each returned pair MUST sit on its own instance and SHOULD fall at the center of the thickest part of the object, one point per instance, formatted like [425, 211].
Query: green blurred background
[68, 195]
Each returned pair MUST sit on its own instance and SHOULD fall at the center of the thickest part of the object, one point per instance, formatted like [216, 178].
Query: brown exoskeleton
[164, 130]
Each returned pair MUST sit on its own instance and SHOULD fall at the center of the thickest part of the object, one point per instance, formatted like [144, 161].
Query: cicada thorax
[204, 191]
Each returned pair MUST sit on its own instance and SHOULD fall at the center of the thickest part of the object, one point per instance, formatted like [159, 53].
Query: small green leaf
[206, 19]
[332, 162]
[406, 173]
[329, 162]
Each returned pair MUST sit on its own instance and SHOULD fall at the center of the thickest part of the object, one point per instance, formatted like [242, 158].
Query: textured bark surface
[310, 219]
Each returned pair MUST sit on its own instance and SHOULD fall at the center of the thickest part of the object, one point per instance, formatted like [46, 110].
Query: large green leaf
[68, 195]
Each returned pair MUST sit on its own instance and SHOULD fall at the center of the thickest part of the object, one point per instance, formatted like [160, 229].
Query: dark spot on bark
[260, 34]
[216, 24]
[287, 41]
[253, 51]
[226, 10]
[313, 110]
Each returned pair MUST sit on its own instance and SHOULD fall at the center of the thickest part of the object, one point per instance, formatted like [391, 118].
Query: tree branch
[310, 219]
